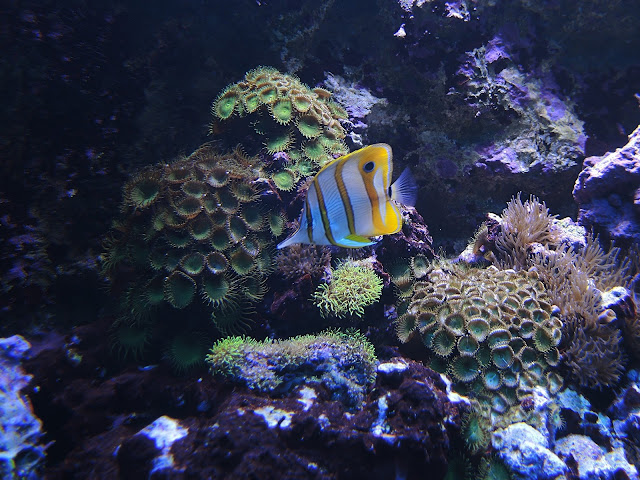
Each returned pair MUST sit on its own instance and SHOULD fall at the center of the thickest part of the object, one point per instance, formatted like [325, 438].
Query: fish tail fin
[405, 189]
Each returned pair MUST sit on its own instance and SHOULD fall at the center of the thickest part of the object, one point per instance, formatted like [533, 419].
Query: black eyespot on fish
[367, 167]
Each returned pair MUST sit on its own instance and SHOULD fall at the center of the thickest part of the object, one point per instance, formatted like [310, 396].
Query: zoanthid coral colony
[494, 332]
[352, 288]
[345, 362]
[193, 230]
[300, 123]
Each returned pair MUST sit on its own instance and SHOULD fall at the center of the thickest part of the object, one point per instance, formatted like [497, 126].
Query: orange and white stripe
[350, 200]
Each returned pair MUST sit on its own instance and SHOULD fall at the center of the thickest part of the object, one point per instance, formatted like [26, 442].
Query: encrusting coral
[352, 288]
[296, 123]
[345, 362]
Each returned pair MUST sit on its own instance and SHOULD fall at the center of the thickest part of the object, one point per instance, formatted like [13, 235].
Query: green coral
[289, 117]
[345, 362]
[352, 288]
[492, 331]
[193, 233]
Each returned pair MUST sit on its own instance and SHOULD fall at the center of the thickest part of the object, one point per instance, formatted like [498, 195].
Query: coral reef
[608, 193]
[21, 453]
[344, 363]
[195, 229]
[294, 122]
[575, 273]
[303, 432]
[352, 288]
[494, 332]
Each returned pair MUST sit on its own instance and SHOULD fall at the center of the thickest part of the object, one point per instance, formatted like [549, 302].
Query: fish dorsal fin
[405, 189]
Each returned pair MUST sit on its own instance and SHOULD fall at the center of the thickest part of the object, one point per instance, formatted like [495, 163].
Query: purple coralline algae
[608, 193]
[358, 102]
[545, 134]
[21, 454]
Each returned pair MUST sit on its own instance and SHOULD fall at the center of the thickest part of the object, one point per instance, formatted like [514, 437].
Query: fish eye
[367, 167]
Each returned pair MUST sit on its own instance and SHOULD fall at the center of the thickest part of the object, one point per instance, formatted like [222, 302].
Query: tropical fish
[352, 198]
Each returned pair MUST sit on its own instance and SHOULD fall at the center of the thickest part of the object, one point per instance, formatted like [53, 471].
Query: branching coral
[298, 123]
[352, 288]
[344, 362]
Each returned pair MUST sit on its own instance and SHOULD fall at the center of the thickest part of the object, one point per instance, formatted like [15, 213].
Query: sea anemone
[130, 339]
[465, 369]
[177, 173]
[216, 262]
[244, 191]
[478, 328]
[236, 228]
[188, 207]
[200, 227]
[192, 263]
[443, 342]
[225, 104]
[231, 321]
[405, 326]
[281, 111]
[543, 340]
[218, 177]
[219, 239]
[284, 180]
[502, 356]
[455, 323]
[467, 345]
[309, 126]
[179, 289]
[475, 434]
[241, 262]
[195, 188]
[227, 201]
[253, 216]
[251, 102]
[219, 291]
[187, 351]
[301, 102]
[278, 142]
[177, 238]
[254, 287]
[491, 379]
[143, 190]
[251, 245]
[313, 150]
[268, 93]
